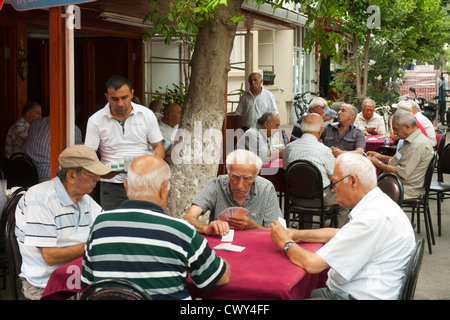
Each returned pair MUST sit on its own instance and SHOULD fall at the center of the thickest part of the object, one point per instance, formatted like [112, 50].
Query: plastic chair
[21, 171]
[12, 247]
[304, 182]
[412, 273]
[114, 289]
[390, 184]
[417, 203]
[439, 187]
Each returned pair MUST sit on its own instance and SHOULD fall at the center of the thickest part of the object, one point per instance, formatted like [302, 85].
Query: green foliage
[176, 94]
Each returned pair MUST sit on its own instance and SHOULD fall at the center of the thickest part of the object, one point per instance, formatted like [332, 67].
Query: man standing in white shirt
[122, 128]
[255, 102]
[369, 255]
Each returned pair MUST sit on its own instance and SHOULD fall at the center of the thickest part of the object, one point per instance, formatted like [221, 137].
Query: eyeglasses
[333, 185]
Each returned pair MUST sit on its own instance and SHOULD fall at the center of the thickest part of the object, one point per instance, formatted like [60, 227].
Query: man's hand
[217, 227]
[243, 223]
[279, 234]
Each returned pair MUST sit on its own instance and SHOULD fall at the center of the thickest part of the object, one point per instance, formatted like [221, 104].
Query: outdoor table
[260, 271]
[374, 142]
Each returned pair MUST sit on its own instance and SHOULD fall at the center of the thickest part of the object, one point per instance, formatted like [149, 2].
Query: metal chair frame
[412, 272]
[389, 180]
[114, 289]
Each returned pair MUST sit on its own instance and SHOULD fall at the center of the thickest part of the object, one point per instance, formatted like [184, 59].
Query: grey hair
[61, 173]
[366, 101]
[318, 101]
[146, 185]
[403, 117]
[352, 108]
[415, 105]
[311, 127]
[242, 156]
[266, 116]
[357, 164]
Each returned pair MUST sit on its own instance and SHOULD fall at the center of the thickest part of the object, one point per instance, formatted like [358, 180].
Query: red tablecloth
[64, 282]
[261, 271]
[373, 143]
[274, 172]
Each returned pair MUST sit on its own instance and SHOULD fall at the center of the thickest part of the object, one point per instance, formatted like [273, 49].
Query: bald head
[312, 123]
[172, 114]
[148, 180]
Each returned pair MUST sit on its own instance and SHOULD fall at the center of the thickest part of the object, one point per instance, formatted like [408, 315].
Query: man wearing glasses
[369, 255]
[53, 218]
[241, 187]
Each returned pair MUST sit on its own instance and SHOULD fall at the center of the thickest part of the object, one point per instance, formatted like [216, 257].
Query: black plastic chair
[304, 182]
[22, 171]
[12, 247]
[390, 184]
[412, 273]
[114, 289]
[439, 187]
[416, 203]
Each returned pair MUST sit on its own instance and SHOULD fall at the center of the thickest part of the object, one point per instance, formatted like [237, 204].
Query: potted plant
[269, 77]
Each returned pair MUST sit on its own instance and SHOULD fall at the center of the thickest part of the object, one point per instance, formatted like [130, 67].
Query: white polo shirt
[115, 139]
[250, 108]
[369, 255]
[47, 217]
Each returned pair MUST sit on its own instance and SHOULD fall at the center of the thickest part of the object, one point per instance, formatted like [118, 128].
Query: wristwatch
[379, 165]
[287, 246]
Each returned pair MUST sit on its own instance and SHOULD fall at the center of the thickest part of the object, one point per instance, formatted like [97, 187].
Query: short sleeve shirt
[255, 139]
[411, 162]
[115, 139]
[376, 122]
[261, 201]
[250, 108]
[47, 217]
[350, 140]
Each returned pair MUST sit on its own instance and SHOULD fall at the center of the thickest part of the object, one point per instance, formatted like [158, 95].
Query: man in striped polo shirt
[137, 241]
[53, 218]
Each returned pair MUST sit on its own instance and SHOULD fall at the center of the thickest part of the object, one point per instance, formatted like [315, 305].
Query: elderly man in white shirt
[258, 139]
[367, 257]
[368, 120]
[255, 102]
[424, 121]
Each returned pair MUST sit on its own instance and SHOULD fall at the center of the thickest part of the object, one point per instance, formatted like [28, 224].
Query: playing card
[232, 211]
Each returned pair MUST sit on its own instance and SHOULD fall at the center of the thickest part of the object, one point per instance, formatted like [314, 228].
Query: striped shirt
[47, 217]
[16, 139]
[38, 144]
[140, 243]
[261, 202]
[309, 148]
[369, 255]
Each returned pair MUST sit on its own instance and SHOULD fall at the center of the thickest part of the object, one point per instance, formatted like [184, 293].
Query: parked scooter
[429, 108]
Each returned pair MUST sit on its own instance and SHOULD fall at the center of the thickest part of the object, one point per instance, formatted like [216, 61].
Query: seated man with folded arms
[139, 242]
[241, 187]
[53, 218]
[410, 162]
[258, 138]
[369, 255]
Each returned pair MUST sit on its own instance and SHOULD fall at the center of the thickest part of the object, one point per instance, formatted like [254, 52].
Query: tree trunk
[366, 65]
[357, 67]
[198, 146]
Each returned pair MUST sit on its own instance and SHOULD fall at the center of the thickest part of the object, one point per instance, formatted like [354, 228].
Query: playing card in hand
[230, 212]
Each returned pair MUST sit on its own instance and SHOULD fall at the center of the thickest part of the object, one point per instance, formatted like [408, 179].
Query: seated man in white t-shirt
[369, 255]
[53, 218]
